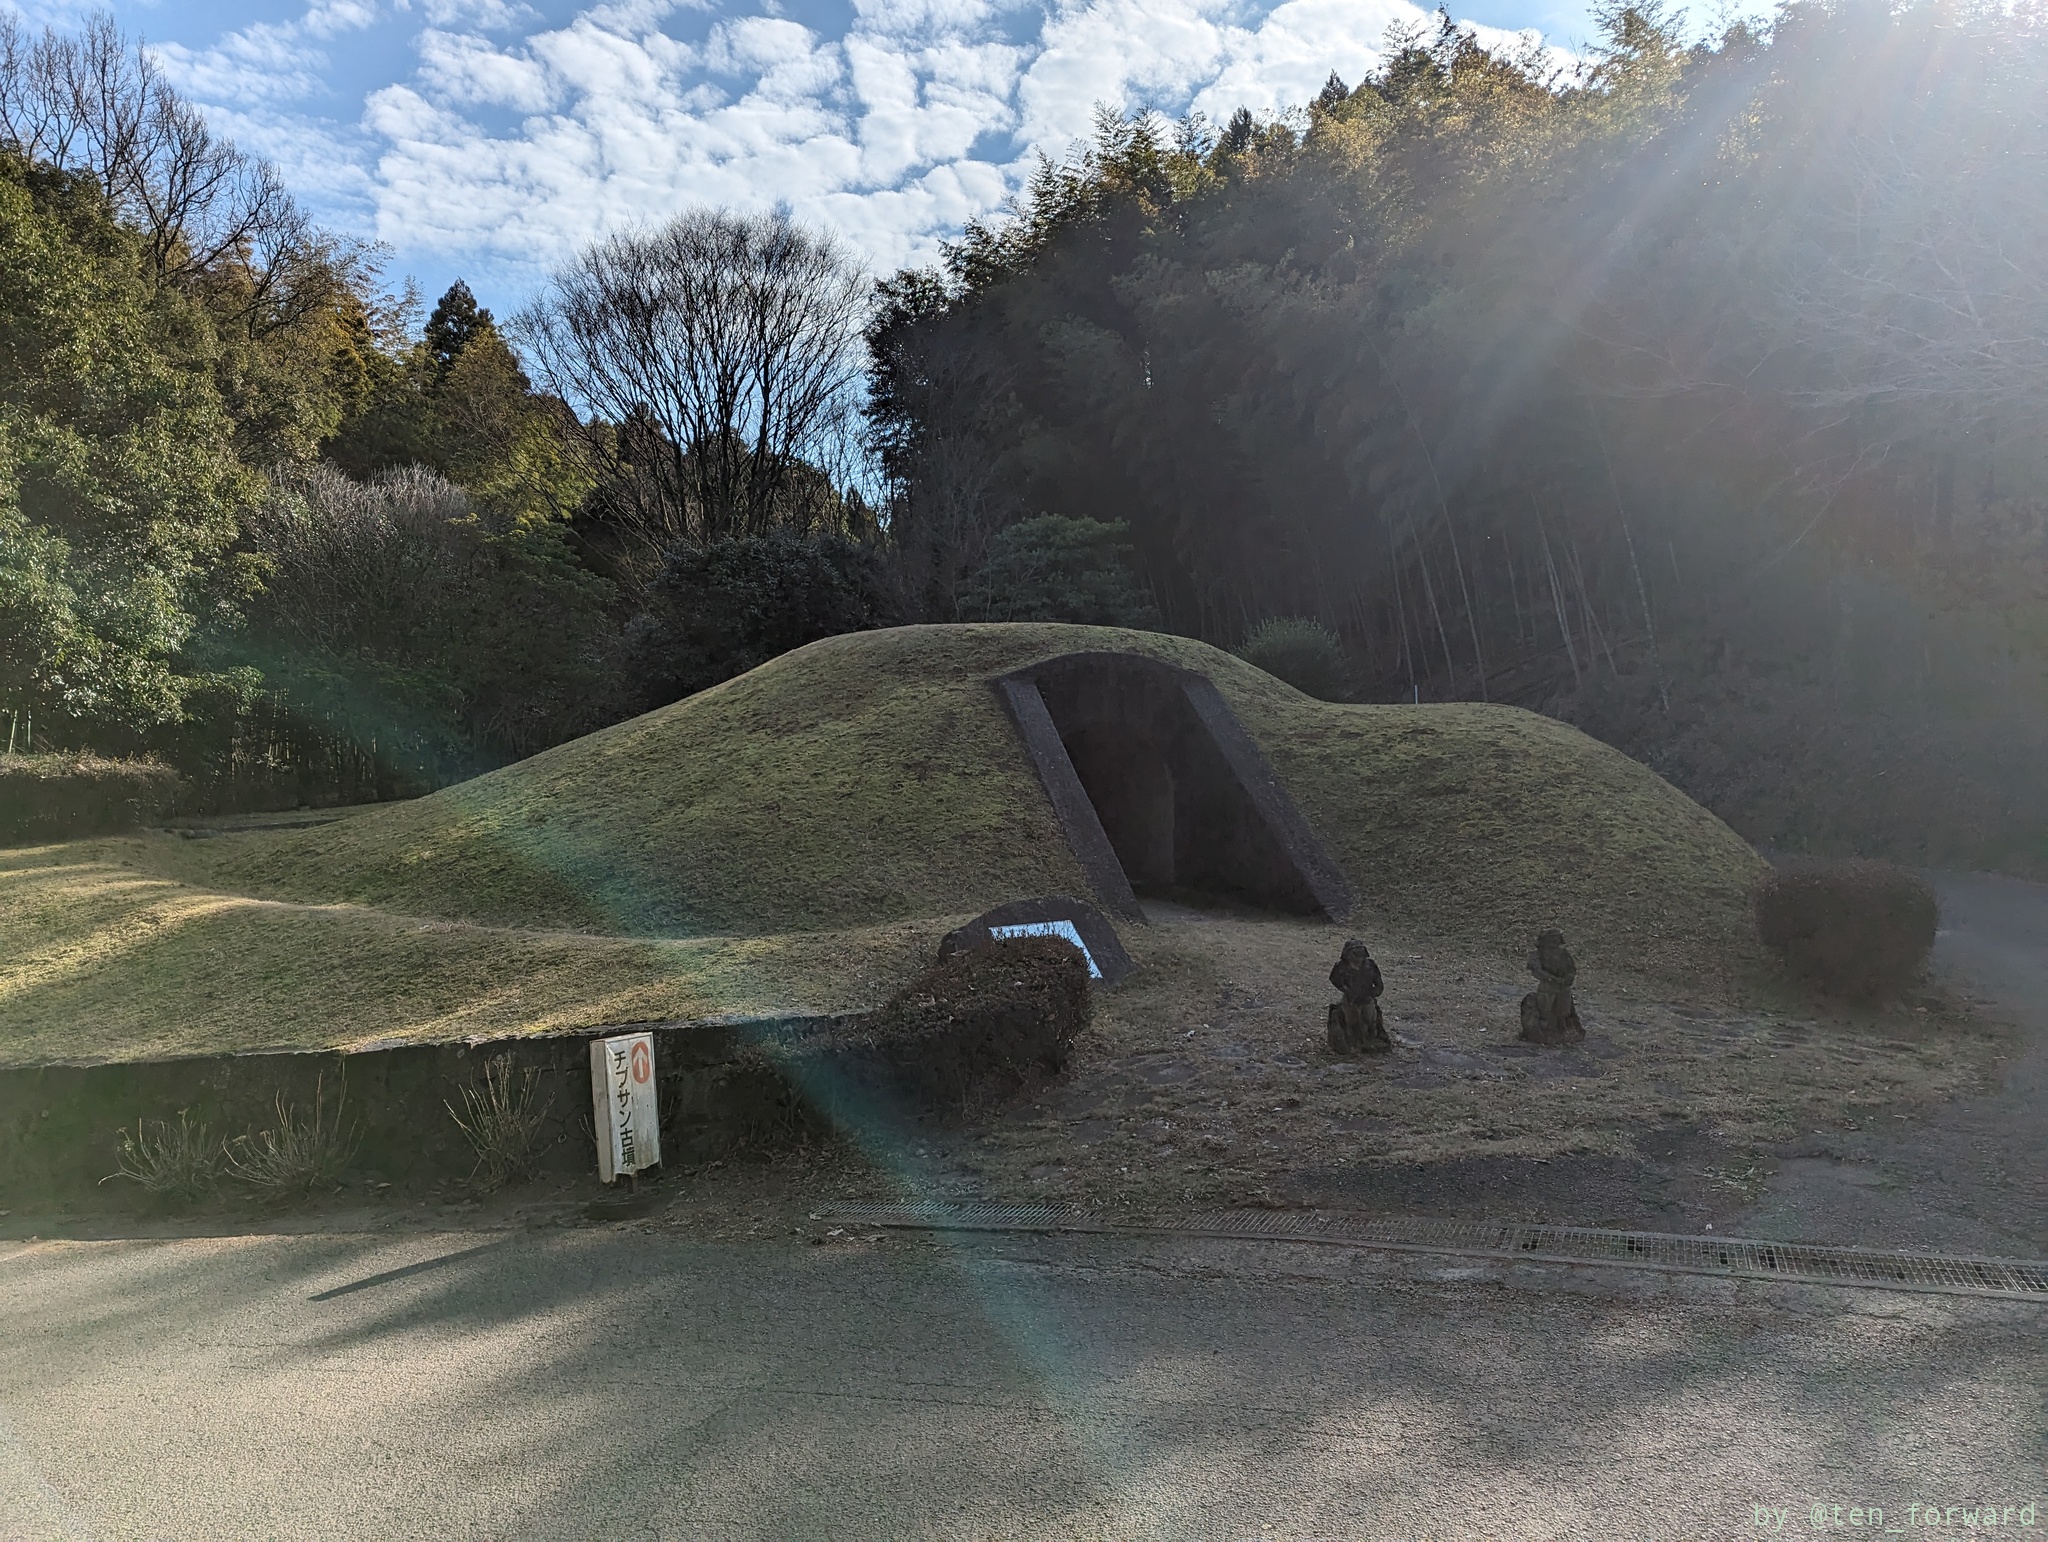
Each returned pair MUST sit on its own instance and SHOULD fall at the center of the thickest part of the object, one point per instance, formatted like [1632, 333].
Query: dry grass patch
[1206, 1081]
[503, 1120]
[180, 1161]
[303, 1153]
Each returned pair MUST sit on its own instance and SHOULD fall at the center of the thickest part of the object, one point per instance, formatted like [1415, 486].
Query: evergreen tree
[1057, 569]
[456, 320]
[119, 483]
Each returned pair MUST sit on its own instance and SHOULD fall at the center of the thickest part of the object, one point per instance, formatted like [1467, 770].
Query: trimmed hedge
[60, 797]
[971, 1028]
[1858, 929]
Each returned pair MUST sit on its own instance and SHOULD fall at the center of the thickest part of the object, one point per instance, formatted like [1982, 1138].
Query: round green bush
[1304, 653]
[1858, 929]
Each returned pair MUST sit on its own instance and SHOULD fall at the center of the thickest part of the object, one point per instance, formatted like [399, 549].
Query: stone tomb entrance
[1161, 791]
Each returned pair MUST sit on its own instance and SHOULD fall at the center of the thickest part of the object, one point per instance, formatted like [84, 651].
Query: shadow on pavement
[608, 1383]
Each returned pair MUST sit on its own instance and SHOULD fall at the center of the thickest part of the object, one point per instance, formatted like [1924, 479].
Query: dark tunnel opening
[1177, 815]
[1127, 778]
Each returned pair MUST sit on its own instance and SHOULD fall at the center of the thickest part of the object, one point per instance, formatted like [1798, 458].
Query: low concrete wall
[60, 1125]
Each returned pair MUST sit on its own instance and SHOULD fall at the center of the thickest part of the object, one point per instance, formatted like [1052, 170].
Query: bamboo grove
[1499, 368]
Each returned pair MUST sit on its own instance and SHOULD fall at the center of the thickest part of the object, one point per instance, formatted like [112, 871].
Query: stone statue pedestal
[1358, 1029]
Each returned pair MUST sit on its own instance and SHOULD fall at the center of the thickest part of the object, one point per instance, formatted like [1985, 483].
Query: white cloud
[503, 143]
[595, 62]
[927, 107]
[469, 72]
[623, 122]
[330, 18]
[1176, 54]
[786, 60]
[484, 15]
[624, 125]
[326, 167]
[1122, 52]
[1286, 59]
[259, 63]
[270, 62]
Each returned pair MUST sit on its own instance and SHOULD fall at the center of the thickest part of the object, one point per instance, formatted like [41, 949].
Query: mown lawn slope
[106, 955]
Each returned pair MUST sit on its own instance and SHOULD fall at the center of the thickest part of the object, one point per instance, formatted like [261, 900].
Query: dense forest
[1692, 394]
[1695, 397]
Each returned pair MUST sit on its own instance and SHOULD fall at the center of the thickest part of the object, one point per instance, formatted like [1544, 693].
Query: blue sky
[490, 138]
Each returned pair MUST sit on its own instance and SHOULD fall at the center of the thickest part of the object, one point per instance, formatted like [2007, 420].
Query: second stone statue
[1356, 1025]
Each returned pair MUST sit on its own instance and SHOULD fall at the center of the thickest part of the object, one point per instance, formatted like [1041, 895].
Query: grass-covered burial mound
[796, 840]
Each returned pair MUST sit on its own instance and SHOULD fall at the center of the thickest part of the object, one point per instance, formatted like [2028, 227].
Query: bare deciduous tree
[355, 566]
[98, 106]
[718, 355]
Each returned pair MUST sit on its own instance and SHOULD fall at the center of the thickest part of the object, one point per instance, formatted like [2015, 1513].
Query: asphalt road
[622, 1383]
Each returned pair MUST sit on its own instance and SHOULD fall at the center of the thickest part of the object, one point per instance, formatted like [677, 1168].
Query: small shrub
[978, 1025]
[1306, 654]
[1054, 568]
[302, 1154]
[180, 1161]
[502, 1121]
[1858, 929]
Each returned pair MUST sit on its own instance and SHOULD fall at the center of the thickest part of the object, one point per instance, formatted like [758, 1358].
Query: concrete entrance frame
[1158, 787]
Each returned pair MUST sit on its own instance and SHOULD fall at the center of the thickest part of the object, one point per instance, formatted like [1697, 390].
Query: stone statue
[1356, 1026]
[1548, 1015]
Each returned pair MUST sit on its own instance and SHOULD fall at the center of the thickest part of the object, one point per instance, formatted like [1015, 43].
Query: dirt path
[1973, 1175]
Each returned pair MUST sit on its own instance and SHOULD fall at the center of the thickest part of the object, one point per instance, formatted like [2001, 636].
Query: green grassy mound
[105, 955]
[856, 787]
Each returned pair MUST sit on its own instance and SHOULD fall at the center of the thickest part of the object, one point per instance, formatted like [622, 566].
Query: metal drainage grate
[1744, 1257]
